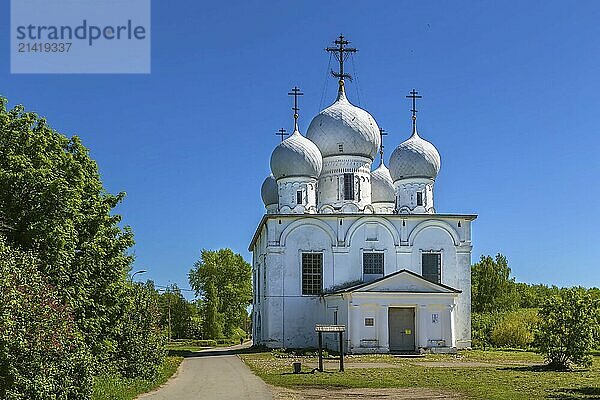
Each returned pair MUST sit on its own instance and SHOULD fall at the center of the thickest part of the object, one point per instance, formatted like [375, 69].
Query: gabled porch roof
[403, 281]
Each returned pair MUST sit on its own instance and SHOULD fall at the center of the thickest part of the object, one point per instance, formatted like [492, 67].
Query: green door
[401, 323]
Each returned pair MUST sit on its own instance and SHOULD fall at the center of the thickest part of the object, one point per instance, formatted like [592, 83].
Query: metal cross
[382, 133]
[414, 96]
[295, 92]
[282, 132]
[341, 54]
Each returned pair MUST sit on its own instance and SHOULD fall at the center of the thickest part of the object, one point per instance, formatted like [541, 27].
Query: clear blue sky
[510, 101]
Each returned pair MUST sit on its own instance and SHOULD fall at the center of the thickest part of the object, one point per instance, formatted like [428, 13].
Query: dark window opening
[348, 186]
[431, 265]
[299, 197]
[312, 273]
[419, 198]
[341, 147]
[369, 321]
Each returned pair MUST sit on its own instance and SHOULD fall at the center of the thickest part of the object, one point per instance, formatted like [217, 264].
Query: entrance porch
[401, 312]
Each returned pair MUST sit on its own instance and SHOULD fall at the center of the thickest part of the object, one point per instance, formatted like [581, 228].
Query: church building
[345, 243]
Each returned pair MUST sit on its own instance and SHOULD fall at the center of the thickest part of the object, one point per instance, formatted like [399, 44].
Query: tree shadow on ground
[216, 352]
[534, 368]
[587, 393]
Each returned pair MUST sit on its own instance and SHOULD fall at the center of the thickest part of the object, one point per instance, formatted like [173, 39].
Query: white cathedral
[342, 244]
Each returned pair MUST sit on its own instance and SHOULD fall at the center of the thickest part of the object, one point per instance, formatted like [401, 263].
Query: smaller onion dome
[296, 156]
[269, 191]
[415, 158]
[382, 188]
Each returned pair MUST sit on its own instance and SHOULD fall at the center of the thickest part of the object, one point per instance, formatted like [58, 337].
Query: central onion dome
[343, 128]
[269, 191]
[415, 158]
[296, 156]
[382, 187]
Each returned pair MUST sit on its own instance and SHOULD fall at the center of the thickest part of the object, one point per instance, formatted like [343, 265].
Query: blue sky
[510, 101]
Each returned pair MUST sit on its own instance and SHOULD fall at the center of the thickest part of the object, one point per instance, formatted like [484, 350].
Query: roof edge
[365, 284]
[265, 217]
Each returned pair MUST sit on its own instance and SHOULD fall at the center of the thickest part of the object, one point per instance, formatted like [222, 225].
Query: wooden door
[401, 323]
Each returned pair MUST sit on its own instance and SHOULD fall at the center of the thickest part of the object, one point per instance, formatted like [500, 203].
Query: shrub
[42, 355]
[141, 348]
[515, 329]
[482, 325]
[568, 328]
[206, 343]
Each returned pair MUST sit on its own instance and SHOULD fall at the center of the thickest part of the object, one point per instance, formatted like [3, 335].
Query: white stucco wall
[287, 318]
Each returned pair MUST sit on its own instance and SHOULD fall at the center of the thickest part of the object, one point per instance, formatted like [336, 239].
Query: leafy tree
[42, 356]
[493, 290]
[568, 328]
[177, 314]
[223, 280]
[532, 296]
[53, 200]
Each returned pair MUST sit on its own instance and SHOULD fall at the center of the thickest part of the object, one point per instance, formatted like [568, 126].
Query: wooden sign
[330, 328]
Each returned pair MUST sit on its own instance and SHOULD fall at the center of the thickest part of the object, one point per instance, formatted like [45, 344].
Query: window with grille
[431, 265]
[373, 263]
[312, 273]
[369, 321]
[299, 197]
[348, 186]
[419, 198]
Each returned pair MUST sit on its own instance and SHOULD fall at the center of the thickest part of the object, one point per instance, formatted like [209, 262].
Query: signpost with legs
[320, 329]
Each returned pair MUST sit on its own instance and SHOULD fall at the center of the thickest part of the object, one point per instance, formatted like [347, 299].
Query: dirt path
[362, 394]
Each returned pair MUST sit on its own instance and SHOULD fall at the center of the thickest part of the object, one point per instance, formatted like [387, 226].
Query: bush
[42, 355]
[141, 348]
[193, 343]
[515, 329]
[206, 343]
[482, 325]
[569, 328]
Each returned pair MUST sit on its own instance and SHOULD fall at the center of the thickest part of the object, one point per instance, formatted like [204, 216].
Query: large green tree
[223, 280]
[493, 290]
[177, 314]
[54, 202]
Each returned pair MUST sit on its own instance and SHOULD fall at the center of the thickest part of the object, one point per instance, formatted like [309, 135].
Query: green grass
[510, 375]
[111, 387]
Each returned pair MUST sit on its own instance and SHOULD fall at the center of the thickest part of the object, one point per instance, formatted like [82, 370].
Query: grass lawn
[116, 388]
[475, 374]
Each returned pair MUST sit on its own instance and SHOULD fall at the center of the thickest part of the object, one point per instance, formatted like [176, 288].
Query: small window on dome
[341, 147]
[299, 197]
[419, 198]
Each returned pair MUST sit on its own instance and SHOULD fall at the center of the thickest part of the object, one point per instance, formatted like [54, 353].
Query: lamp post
[141, 271]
